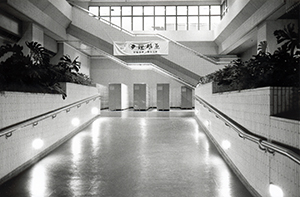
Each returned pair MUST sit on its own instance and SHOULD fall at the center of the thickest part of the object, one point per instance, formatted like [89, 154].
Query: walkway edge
[228, 160]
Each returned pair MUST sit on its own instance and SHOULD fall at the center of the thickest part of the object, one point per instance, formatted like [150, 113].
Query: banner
[141, 48]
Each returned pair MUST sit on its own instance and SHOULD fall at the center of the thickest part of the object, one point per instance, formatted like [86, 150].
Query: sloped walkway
[132, 154]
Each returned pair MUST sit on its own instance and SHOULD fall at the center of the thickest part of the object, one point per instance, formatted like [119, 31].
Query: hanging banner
[141, 48]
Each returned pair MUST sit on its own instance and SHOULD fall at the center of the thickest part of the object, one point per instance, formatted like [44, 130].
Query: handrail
[7, 131]
[263, 143]
[145, 34]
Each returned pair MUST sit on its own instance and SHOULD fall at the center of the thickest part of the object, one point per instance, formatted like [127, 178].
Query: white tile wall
[17, 106]
[16, 150]
[285, 131]
[251, 109]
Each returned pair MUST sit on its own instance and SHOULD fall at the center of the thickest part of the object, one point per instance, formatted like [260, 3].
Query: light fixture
[226, 144]
[75, 122]
[95, 111]
[207, 123]
[37, 143]
[275, 190]
[196, 111]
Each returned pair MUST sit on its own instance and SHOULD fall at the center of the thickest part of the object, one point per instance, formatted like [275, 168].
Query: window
[204, 10]
[94, 10]
[106, 19]
[126, 11]
[116, 21]
[159, 23]
[215, 10]
[193, 10]
[223, 8]
[137, 11]
[148, 10]
[137, 24]
[193, 23]
[203, 23]
[181, 10]
[215, 21]
[104, 11]
[171, 10]
[148, 23]
[115, 11]
[170, 23]
[126, 23]
[159, 10]
[181, 23]
[160, 17]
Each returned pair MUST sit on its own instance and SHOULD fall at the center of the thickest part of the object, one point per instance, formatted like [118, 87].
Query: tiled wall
[284, 99]
[17, 152]
[251, 109]
[285, 131]
[18, 106]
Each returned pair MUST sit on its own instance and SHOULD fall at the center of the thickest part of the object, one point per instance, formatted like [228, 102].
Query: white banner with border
[141, 48]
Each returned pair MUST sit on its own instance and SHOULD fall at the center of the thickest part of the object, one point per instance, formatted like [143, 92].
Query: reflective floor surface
[132, 154]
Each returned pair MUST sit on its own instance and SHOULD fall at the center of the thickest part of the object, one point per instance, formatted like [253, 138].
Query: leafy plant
[38, 54]
[33, 72]
[288, 38]
[262, 47]
[282, 68]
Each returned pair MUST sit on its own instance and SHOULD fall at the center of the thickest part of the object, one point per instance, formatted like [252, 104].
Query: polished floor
[132, 154]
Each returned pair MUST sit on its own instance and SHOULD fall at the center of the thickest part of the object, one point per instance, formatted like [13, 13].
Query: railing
[146, 34]
[7, 131]
[262, 142]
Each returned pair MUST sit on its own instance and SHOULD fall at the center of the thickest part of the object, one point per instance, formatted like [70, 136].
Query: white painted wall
[105, 71]
[205, 48]
[103, 91]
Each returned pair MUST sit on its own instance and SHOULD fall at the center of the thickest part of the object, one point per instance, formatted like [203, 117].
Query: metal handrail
[7, 131]
[145, 34]
[263, 143]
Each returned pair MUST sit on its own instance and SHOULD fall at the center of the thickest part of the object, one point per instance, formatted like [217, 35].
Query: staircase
[184, 63]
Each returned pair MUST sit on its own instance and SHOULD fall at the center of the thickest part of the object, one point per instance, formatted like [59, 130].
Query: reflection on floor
[132, 154]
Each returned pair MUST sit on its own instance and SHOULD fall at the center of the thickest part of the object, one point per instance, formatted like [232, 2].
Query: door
[186, 98]
[140, 96]
[163, 97]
